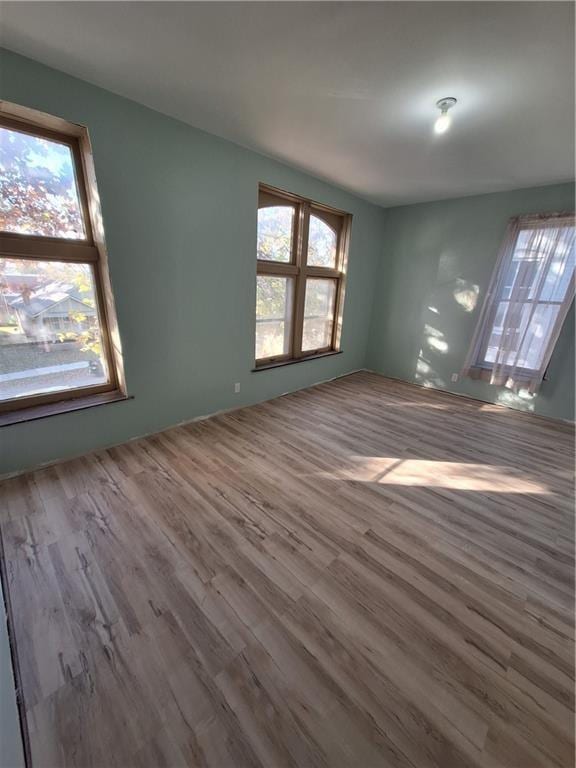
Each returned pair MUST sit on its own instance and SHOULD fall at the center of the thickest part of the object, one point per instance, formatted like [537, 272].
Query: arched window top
[300, 277]
[275, 230]
[322, 243]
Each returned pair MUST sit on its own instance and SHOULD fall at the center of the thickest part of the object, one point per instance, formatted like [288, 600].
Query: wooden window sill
[63, 406]
[282, 363]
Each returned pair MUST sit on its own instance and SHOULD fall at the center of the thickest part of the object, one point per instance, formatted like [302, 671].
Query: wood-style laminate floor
[360, 574]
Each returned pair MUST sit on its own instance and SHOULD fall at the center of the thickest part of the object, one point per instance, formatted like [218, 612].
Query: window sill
[63, 406]
[282, 363]
[484, 372]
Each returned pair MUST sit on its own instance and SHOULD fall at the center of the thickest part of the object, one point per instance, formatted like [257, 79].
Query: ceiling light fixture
[444, 120]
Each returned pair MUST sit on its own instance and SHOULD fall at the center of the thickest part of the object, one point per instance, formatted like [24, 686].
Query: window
[301, 251]
[56, 313]
[530, 294]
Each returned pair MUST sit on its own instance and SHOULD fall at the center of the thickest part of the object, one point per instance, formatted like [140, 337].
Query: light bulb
[443, 123]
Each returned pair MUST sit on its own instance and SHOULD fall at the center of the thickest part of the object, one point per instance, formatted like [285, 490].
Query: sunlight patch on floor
[522, 400]
[438, 474]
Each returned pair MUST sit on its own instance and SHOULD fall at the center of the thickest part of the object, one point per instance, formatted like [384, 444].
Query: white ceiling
[345, 90]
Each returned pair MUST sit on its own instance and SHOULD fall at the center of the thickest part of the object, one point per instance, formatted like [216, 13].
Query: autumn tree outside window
[301, 266]
[58, 335]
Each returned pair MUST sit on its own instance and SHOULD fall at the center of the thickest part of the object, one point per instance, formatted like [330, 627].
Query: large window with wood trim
[302, 254]
[57, 326]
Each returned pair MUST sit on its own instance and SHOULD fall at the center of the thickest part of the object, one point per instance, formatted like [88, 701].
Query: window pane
[274, 299]
[49, 329]
[39, 195]
[543, 258]
[537, 334]
[275, 228]
[524, 341]
[518, 318]
[321, 244]
[318, 314]
[520, 276]
[561, 268]
[534, 294]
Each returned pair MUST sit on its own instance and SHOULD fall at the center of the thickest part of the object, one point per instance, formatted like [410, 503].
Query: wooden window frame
[89, 250]
[298, 269]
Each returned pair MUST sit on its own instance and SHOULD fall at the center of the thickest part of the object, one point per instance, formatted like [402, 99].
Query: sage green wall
[435, 257]
[179, 209]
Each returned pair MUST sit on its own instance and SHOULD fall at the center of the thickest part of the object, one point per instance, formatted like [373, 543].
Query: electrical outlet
[237, 387]
[455, 377]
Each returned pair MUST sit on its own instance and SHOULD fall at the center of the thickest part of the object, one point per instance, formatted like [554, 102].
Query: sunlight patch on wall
[438, 344]
[425, 373]
[435, 339]
[466, 294]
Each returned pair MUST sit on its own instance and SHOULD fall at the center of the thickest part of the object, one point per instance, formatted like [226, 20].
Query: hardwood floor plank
[360, 574]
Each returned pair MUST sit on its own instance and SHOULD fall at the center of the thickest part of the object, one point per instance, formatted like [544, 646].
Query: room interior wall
[179, 209]
[433, 275]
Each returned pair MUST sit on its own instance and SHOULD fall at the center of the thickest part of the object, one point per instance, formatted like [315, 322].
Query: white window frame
[477, 366]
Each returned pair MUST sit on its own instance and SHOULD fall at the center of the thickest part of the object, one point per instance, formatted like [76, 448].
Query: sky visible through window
[38, 191]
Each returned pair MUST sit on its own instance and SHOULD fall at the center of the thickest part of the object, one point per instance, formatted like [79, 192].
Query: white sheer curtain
[526, 304]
